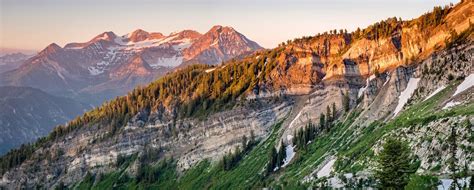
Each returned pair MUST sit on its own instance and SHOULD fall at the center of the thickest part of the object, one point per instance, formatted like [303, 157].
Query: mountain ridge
[199, 115]
[80, 67]
[28, 114]
[12, 61]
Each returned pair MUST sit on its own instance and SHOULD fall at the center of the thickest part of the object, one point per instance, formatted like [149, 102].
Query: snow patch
[446, 183]
[361, 91]
[167, 62]
[435, 92]
[451, 104]
[326, 169]
[129, 45]
[182, 44]
[467, 83]
[94, 71]
[290, 151]
[406, 94]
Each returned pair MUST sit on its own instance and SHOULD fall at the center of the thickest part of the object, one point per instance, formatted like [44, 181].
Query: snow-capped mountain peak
[109, 61]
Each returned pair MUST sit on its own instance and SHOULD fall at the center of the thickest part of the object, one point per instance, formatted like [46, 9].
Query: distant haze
[32, 24]
[4, 51]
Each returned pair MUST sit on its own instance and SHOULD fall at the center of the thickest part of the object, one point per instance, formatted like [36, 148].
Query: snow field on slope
[467, 83]
[326, 169]
[290, 151]
[406, 94]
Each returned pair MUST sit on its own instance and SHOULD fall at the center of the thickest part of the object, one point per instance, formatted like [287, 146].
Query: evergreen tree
[394, 165]
[453, 160]
[322, 121]
[231, 159]
[302, 136]
[281, 154]
[334, 111]
[244, 143]
[471, 182]
[252, 136]
[346, 102]
[272, 157]
[328, 114]
[60, 186]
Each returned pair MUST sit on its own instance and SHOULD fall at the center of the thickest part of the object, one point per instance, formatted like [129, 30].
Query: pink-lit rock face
[115, 64]
[219, 44]
[407, 45]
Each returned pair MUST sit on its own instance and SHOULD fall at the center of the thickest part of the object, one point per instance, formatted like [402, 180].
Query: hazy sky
[33, 24]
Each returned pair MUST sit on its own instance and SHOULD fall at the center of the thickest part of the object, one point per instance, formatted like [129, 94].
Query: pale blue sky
[33, 24]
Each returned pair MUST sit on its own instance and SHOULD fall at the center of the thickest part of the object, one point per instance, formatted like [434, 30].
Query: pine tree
[471, 182]
[453, 160]
[322, 121]
[244, 143]
[394, 165]
[346, 102]
[328, 114]
[281, 154]
[272, 157]
[334, 112]
[224, 162]
[60, 186]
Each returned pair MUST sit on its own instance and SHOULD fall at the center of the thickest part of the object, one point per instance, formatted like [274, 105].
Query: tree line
[303, 136]
[276, 158]
[231, 159]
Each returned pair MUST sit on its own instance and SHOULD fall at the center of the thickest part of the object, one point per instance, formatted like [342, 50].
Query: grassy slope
[247, 174]
[350, 144]
[353, 147]
[418, 114]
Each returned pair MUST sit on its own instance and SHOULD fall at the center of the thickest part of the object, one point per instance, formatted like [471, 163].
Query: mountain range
[27, 114]
[312, 113]
[12, 61]
[110, 65]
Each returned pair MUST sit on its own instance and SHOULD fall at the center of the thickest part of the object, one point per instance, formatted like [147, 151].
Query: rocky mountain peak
[105, 36]
[222, 29]
[401, 79]
[139, 35]
[190, 34]
[108, 36]
[136, 58]
[218, 31]
[219, 41]
[51, 48]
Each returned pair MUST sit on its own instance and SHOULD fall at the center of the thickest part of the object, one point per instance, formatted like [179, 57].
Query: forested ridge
[187, 92]
[198, 90]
